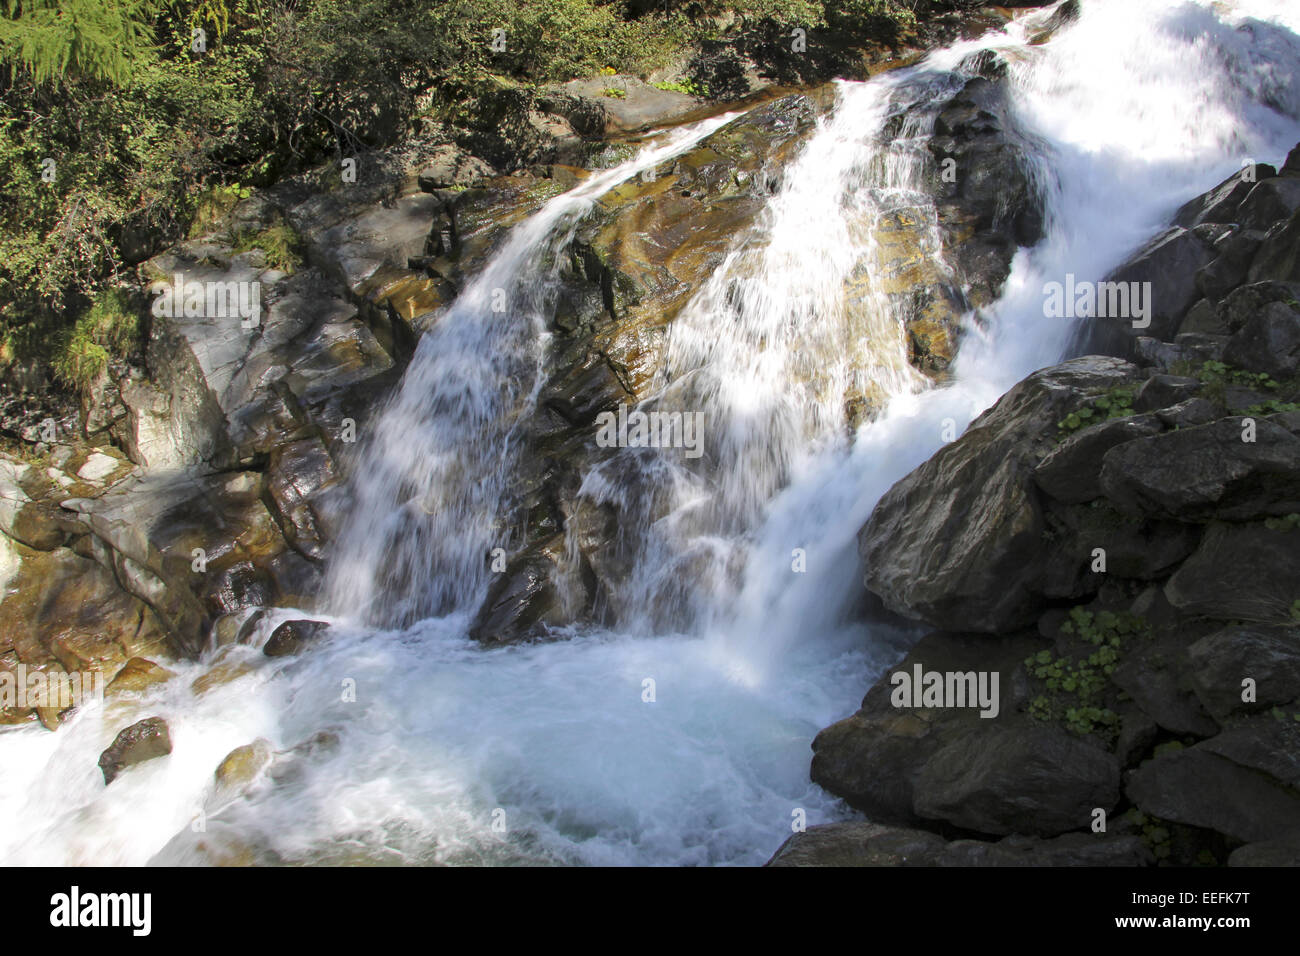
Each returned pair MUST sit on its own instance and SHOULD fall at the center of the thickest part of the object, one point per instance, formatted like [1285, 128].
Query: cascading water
[1139, 105]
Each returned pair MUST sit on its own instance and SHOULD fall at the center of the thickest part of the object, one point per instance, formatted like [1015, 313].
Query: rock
[143, 740]
[1268, 201]
[872, 758]
[1268, 341]
[1203, 317]
[1247, 301]
[293, 637]
[594, 115]
[242, 766]
[297, 474]
[1170, 263]
[1269, 743]
[1162, 391]
[520, 598]
[139, 674]
[1072, 472]
[1220, 204]
[1267, 853]
[1194, 411]
[872, 844]
[1201, 789]
[450, 166]
[1154, 675]
[1224, 273]
[1206, 471]
[1221, 661]
[976, 496]
[1279, 254]
[1027, 779]
[1240, 572]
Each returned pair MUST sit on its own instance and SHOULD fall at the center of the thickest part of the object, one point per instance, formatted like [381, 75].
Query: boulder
[1206, 471]
[143, 740]
[977, 498]
[1199, 788]
[1034, 779]
[293, 637]
[1268, 655]
[873, 844]
[1240, 572]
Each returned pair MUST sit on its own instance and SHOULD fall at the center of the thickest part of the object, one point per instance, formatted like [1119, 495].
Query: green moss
[614, 92]
[109, 329]
[685, 85]
[280, 243]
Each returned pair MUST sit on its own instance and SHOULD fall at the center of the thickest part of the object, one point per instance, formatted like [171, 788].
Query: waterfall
[554, 753]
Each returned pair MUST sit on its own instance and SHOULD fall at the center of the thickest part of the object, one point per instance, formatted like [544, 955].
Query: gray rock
[1072, 472]
[1268, 655]
[1206, 471]
[1162, 391]
[1269, 201]
[976, 496]
[1220, 203]
[1035, 779]
[1202, 789]
[1279, 255]
[1267, 853]
[1240, 572]
[1170, 263]
[872, 844]
[1268, 341]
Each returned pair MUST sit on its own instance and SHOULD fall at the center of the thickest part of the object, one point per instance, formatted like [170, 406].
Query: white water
[1141, 105]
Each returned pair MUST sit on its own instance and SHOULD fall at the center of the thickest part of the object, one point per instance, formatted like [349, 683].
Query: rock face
[144, 740]
[1157, 500]
[872, 844]
[978, 497]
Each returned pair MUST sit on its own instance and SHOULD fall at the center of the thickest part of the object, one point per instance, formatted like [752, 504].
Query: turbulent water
[548, 753]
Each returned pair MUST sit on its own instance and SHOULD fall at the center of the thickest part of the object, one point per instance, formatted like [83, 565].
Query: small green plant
[1283, 523]
[281, 245]
[1155, 833]
[1271, 407]
[1076, 686]
[109, 329]
[1115, 403]
[684, 85]
[1295, 611]
[614, 92]
[213, 205]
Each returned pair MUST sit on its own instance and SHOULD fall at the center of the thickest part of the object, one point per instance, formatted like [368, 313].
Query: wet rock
[1268, 655]
[1267, 853]
[1268, 341]
[872, 759]
[293, 637]
[144, 740]
[1206, 471]
[976, 495]
[520, 598]
[1027, 779]
[1240, 572]
[1279, 255]
[1072, 472]
[1220, 204]
[1202, 789]
[298, 473]
[139, 674]
[1268, 201]
[872, 844]
[1162, 391]
[1170, 262]
[242, 766]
